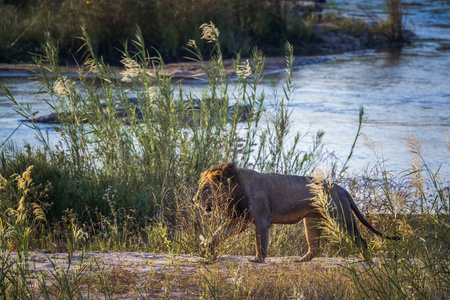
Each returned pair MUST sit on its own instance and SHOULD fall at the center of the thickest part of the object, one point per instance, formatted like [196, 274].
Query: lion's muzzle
[208, 208]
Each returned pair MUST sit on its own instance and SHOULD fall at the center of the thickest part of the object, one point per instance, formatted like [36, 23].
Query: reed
[416, 267]
[414, 205]
[167, 24]
[124, 182]
[394, 9]
[159, 143]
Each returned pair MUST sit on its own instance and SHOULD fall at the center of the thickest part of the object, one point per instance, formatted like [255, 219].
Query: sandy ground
[144, 275]
[128, 271]
[183, 70]
[145, 262]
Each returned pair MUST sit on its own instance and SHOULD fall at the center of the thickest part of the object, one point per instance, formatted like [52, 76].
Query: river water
[404, 91]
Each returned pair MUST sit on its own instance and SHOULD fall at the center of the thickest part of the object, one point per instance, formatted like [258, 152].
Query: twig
[32, 115]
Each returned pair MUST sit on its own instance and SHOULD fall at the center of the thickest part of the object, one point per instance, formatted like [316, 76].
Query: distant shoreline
[329, 41]
[178, 71]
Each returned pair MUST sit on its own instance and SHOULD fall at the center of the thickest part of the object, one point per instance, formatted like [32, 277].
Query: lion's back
[274, 185]
[288, 197]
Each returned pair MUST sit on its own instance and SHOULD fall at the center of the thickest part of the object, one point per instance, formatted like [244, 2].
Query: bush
[144, 138]
[166, 25]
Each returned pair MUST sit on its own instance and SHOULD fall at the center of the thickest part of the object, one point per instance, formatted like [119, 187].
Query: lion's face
[205, 196]
[214, 187]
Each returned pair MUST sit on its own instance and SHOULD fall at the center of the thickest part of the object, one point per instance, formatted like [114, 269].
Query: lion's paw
[307, 257]
[256, 260]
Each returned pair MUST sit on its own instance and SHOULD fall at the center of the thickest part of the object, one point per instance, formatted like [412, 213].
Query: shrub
[144, 137]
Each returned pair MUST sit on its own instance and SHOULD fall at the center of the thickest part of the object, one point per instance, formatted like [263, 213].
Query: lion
[246, 196]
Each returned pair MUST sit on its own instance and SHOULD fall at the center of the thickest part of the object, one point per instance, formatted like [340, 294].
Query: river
[404, 91]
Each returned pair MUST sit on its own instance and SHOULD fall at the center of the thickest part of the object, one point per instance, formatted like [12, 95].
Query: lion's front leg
[262, 241]
[225, 231]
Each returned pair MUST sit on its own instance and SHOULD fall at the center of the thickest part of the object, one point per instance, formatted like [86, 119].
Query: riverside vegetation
[169, 24]
[125, 183]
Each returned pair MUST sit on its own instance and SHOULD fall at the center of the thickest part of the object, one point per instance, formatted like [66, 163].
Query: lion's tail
[365, 222]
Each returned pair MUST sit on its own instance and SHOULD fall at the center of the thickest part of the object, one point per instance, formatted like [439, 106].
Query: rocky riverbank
[328, 39]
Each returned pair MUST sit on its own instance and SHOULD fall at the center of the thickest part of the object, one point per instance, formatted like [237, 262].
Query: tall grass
[166, 24]
[169, 24]
[22, 220]
[419, 266]
[415, 205]
[395, 14]
[153, 149]
[392, 25]
[130, 173]
[123, 180]
[22, 213]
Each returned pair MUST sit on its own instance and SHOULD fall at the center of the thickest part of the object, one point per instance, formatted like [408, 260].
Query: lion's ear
[216, 176]
[229, 170]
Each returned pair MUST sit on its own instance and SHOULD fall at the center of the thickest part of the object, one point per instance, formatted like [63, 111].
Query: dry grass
[145, 275]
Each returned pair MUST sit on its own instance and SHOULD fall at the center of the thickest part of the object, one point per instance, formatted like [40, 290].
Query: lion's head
[220, 187]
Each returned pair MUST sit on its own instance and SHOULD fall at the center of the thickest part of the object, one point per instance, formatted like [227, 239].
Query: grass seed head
[132, 69]
[61, 86]
[209, 32]
[244, 70]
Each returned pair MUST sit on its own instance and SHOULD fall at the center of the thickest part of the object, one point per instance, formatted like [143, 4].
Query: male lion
[266, 199]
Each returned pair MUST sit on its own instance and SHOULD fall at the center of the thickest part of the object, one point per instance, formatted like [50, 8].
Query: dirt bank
[179, 71]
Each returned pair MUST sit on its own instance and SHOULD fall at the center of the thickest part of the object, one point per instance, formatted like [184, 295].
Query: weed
[394, 9]
[124, 173]
[243, 24]
[19, 224]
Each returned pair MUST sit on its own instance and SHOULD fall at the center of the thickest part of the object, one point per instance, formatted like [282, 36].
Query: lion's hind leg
[313, 231]
[351, 228]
